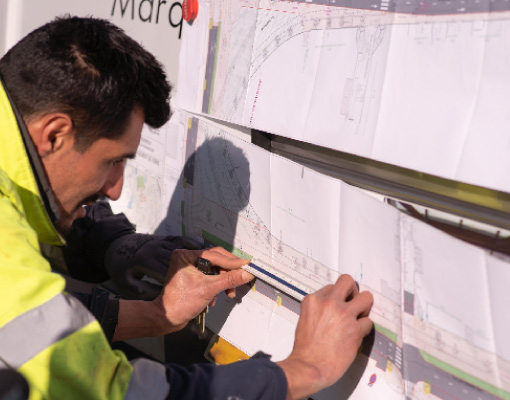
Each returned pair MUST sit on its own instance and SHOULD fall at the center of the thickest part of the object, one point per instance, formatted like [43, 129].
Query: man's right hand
[332, 324]
[188, 291]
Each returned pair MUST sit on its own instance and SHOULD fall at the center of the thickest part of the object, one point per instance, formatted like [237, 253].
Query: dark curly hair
[89, 69]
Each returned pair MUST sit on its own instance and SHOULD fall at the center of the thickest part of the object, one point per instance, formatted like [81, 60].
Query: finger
[221, 250]
[224, 259]
[229, 280]
[325, 291]
[360, 306]
[366, 325]
[229, 292]
[345, 287]
[225, 253]
[213, 301]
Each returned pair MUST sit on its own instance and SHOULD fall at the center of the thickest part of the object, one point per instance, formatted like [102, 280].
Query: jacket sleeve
[104, 308]
[255, 379]
[90, 237]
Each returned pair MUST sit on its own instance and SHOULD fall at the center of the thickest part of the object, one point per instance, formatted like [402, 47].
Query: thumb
[228, 280]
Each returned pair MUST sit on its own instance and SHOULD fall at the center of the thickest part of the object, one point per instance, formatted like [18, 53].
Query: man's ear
[51, 133]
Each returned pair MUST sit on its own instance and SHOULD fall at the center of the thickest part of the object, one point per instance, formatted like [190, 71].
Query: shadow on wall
[212, 191]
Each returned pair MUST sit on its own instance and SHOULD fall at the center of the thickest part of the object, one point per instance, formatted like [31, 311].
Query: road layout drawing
[420, 84]
[440, 307]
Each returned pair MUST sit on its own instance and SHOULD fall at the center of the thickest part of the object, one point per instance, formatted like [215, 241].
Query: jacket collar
[19, 159]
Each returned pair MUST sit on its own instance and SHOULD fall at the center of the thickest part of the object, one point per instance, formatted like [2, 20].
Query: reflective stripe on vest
[148, 381]
[59, 317]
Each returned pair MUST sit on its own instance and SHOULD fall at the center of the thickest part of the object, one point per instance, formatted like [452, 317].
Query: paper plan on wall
[419, 84]
[440, 306]
[144, 193]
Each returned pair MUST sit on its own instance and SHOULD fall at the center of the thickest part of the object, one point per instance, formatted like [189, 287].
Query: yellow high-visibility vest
[45, 333]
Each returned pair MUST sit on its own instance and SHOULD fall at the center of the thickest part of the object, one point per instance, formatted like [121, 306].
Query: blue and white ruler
[279, 280]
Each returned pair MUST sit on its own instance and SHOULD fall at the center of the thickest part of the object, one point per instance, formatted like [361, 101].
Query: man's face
[78, 179]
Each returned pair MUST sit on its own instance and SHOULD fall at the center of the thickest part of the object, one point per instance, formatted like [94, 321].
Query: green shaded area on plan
[386, 332]
[227, 246]
[140, 182]
[473, 380]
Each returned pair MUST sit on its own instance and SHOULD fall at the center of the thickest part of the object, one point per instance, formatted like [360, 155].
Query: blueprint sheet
[441, 305]
[418, 84]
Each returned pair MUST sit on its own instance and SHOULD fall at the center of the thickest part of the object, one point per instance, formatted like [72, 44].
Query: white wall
[154, 23]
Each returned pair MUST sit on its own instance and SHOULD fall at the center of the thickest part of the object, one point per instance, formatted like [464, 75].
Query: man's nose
[113, 186]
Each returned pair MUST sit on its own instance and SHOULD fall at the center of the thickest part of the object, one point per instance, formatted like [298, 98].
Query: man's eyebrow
[127, 155]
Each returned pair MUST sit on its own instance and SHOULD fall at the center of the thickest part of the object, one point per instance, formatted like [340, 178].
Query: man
[74, 96]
